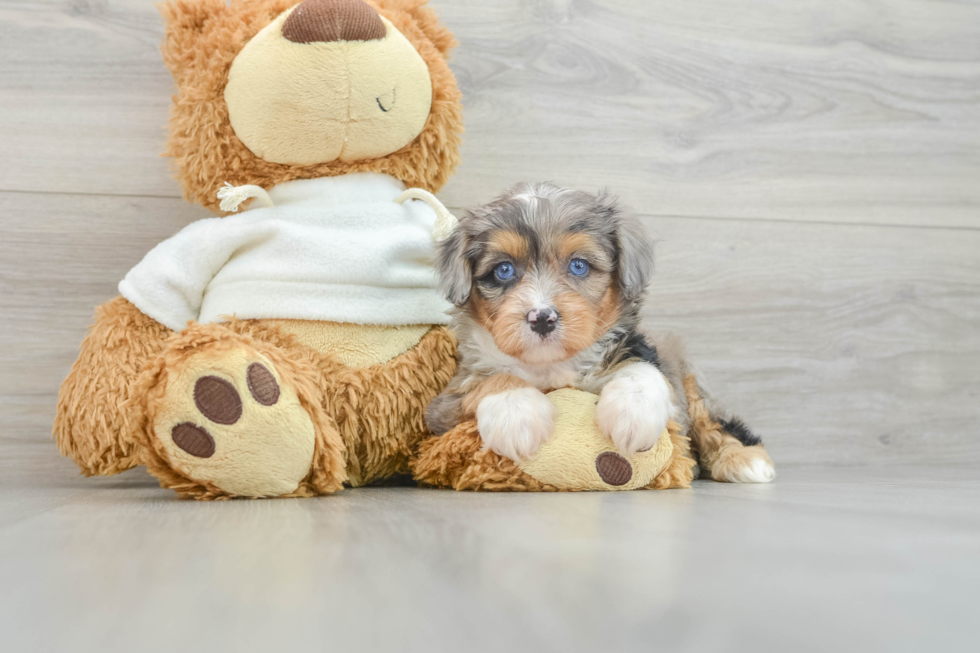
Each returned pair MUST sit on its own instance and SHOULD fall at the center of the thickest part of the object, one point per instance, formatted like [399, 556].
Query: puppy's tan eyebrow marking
[574, 243]
[510, 243]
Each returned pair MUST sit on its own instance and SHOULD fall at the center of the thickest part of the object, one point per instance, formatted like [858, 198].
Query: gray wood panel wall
[810, 169]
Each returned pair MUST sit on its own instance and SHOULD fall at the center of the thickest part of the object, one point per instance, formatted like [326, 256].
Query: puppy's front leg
[634, 407]
[514, 418]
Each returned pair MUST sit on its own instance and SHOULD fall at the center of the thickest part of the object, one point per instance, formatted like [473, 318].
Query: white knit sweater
[337, 248]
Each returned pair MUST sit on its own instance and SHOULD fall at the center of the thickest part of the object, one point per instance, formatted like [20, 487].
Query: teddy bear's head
[275, 90]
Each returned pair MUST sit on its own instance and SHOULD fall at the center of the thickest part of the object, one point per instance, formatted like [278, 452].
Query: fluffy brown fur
[380, 410]
[679, 472]
[202, 39]
[457, 460]
[90, 426]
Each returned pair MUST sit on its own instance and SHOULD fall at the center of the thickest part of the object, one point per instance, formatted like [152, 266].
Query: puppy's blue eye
[504, 271]
[578, 267]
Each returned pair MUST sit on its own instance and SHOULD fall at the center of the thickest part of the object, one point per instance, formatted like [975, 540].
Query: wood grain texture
[849, 345]
[84, 97]
[848, 110]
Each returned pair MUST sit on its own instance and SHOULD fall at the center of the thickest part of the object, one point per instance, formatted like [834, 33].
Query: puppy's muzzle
[542, 320]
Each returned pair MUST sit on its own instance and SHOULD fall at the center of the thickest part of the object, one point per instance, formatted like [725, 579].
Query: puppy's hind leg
[727, 450]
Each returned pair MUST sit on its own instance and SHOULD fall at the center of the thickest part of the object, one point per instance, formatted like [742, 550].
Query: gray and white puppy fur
[547, 285]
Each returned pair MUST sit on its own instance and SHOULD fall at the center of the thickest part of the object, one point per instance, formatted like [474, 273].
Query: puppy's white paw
[516, 422]
[744, 465]
[758, 471]
[634, 408]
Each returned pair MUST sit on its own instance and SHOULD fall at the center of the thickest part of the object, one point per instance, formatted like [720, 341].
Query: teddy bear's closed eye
[386, 101]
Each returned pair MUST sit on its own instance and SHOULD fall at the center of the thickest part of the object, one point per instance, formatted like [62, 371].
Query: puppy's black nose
[542, 320]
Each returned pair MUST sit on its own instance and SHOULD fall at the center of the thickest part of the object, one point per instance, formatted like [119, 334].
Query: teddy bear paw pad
[193, 439]
[613, 468]
[217, 400]
[262, 384]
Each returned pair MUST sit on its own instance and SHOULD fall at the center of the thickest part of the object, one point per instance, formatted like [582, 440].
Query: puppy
[547, 285]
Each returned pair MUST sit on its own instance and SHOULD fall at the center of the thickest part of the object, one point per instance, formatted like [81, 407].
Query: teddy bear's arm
[169, 283]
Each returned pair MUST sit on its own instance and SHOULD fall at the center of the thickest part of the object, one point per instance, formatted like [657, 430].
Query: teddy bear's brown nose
[323, 21]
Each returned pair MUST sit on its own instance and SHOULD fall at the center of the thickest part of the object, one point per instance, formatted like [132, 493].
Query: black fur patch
[631, 346]
[638, 347]
[738, 430]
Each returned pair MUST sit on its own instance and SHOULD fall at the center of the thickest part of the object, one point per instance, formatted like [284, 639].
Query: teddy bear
[289, 349]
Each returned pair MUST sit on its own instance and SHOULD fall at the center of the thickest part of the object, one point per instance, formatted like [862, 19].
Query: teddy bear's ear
[186, 21]
[428, 21]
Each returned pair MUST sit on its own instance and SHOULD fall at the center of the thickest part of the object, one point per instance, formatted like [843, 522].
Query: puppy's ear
[634, 264]
[455, 276]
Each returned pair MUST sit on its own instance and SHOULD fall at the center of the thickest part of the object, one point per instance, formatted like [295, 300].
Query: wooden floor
[825, 559]
[811, 171]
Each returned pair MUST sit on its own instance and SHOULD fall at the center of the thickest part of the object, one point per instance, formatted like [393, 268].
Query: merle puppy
[548, 285]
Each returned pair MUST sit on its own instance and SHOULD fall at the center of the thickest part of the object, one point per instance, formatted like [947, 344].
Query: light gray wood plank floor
[811, 171]
[825, 559]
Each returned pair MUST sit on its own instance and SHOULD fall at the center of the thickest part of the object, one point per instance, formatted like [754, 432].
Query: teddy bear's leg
[721, 455]
[92, 424]
[227, 414]
[380, 410]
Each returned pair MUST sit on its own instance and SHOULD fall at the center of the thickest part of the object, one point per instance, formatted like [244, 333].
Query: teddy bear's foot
[578, 457]
[234, 426]
[227, 417]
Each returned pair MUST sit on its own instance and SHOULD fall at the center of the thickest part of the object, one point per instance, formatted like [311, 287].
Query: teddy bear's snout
[324, 21]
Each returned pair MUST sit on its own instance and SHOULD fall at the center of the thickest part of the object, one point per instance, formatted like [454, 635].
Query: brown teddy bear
[292, 348]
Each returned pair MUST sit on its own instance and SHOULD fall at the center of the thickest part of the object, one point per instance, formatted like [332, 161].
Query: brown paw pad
[262, 384]
[217, 400]
[193, 439]
[613, 468]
